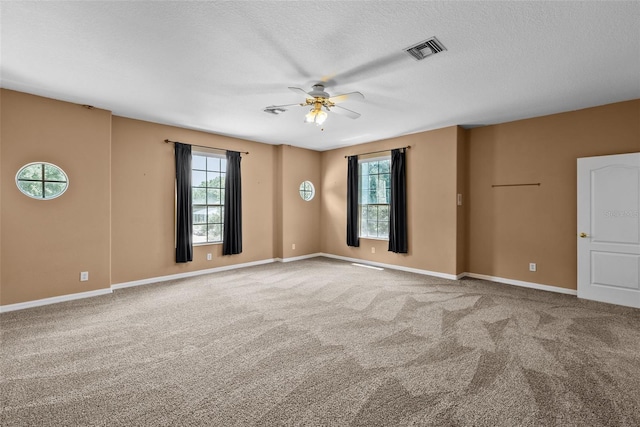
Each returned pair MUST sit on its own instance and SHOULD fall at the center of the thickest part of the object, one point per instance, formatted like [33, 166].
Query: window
[307, 191]
[374, 197]
[42, 181]
[208, 173]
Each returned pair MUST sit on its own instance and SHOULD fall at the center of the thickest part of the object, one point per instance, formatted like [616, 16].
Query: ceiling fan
[321, 103]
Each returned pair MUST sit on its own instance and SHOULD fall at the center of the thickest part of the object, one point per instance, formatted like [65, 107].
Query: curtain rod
[514, 185]
[203, 146]
[380, 151]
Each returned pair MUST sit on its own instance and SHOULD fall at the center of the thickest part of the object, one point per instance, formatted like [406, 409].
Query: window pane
[383, 229]
[213, 196]
[213, 179]
[31, 172]
[381, 195]
[372, 182]
[222, 179]
[373, 168]
[198, 162]
[383, 213]
[215, 215]
[198, 196]
[34, 189]
[373, 194]
[372, 228]
[199, 233]
[385, 166]
[372, 214]
[222, 197]
[199, 215]
[363, 213]
[385, 180]
[198, 178]
[53, 173]
[215, 233]
[223, 165]
[213, 164]
[52, 189]
[388, 196]
[363, 184]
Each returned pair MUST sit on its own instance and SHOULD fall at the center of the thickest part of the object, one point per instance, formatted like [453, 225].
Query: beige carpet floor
[321, 343]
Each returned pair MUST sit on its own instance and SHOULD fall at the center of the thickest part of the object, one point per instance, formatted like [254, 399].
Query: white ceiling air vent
[426, 48]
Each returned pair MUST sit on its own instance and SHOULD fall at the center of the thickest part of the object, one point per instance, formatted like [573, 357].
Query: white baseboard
[523, 284]
[53, 300]
[392, 266]
[298, 258]
[89, 294]
[189, 274]
[513, 282]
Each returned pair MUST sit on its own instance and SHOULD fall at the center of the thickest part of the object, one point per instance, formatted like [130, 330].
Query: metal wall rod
[514, 185]
[203, 146]
[380, 151]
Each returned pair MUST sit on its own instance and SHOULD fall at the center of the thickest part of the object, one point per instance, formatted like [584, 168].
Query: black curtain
[184, 209]
[232, 239]
[398, 209]
[352, 201]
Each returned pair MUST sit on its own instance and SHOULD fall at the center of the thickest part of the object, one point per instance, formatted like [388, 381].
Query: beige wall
[510, 227]
[117, 218]
[46, 244]
[300, 218]
[461, 210]
[432, 184]
[143, 207]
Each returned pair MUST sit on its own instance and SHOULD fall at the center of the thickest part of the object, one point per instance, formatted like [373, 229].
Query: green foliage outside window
[374, 188]
[42, 180]
[207, 182]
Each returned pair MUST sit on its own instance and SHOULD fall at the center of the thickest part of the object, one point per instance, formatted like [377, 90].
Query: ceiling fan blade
[300, 91]
[345, 112]
[285, 106]
[351, 96]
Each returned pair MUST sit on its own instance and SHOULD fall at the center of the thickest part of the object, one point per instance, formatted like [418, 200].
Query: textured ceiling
[215, 66]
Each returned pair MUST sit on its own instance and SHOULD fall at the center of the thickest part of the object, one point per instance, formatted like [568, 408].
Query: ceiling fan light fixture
[316, 116]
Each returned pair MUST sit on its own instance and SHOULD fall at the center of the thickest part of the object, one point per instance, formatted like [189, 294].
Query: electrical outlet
[533, 266]
[293, 246]
[84, 276]
[373, 249]
[208, 257]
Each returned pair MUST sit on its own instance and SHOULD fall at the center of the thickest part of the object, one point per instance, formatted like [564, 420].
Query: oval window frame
[302, 190]
[43, 180]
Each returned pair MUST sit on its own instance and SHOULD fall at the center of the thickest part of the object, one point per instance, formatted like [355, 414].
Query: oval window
[42, 181]
[307, 191]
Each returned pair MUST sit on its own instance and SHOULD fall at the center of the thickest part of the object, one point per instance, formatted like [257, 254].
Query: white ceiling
[214, 66]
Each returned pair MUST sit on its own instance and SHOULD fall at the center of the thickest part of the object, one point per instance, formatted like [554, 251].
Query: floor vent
[425, 49]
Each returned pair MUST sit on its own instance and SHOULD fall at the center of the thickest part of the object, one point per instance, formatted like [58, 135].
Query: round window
[42, 181]
[307, 191]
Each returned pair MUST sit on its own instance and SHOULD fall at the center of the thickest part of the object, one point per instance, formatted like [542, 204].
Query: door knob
[583, 235]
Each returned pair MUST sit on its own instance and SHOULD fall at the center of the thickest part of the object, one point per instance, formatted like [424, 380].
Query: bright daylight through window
[307, 190]
[42, 181]
[207, 182]
[374, 196]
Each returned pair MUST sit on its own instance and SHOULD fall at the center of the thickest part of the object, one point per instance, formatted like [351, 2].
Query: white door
[609, 229]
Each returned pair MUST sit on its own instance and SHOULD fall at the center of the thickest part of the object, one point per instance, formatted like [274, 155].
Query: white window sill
[375, 238]
[207, 243]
